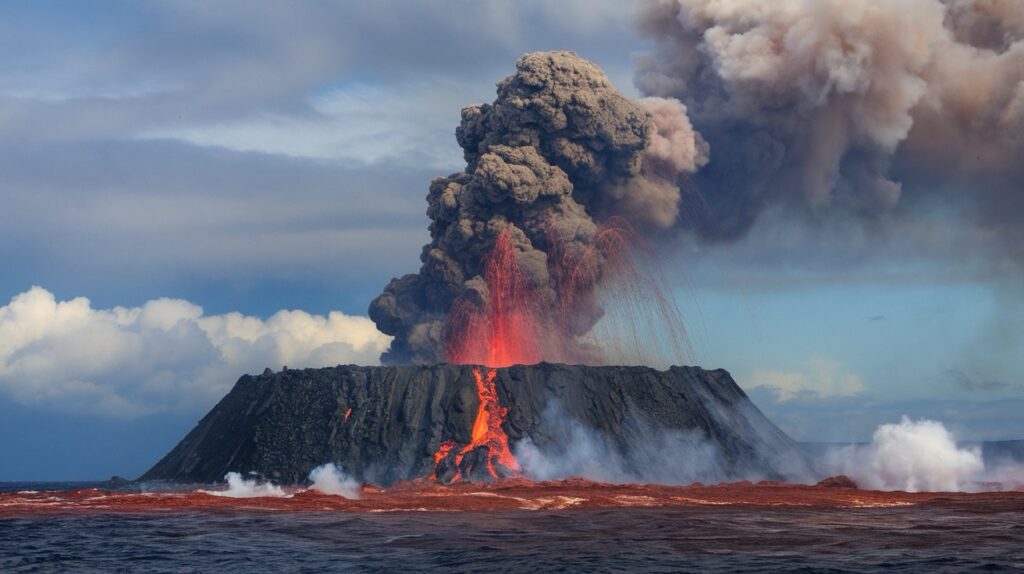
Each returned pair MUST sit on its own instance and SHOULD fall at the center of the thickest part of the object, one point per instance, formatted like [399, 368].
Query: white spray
[920, 456]
[240, 487]
[329, 479]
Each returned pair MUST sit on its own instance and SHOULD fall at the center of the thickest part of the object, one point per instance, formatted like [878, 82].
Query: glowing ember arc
[600, 279]
[506, 331]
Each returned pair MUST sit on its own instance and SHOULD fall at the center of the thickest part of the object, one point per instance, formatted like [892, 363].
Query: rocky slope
[384, 424]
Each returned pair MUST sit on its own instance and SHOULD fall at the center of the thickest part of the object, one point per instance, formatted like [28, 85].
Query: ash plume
[849, 106]
[558, 152]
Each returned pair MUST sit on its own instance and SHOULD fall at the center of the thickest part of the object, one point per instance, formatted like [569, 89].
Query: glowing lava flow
[487, 432]
[510, 324]
[506, 331]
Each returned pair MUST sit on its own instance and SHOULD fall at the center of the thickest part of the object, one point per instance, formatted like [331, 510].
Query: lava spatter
[507, 328]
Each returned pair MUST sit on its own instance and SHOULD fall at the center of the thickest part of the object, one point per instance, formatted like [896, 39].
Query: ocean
[710, 538]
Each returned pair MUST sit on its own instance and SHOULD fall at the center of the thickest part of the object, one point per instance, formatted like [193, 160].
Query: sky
[191, 191]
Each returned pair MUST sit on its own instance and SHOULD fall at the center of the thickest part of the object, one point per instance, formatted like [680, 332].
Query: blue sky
[193, 169]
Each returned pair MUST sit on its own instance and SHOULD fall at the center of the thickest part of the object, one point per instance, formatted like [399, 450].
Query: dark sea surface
[722, 538]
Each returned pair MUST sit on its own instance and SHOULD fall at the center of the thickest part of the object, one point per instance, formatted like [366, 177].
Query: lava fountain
[502, 332]
[513, 325]
[506, 329]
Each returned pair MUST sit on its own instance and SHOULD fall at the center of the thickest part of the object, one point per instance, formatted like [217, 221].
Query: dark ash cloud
[857, 107]
[558, 151]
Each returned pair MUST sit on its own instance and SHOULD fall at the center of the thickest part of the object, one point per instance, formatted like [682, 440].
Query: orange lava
[486, 432]
[509, 494]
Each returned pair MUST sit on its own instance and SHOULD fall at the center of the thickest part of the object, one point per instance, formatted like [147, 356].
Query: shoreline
[510, 494]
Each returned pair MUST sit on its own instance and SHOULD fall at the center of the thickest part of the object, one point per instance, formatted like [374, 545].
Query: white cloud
[163, 355]
[819, 376]
[359, 122]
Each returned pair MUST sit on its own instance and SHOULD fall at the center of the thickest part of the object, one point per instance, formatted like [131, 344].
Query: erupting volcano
[530, 248]
[534, 259]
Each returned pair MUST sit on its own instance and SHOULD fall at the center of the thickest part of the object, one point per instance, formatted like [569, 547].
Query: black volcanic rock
[282, 425]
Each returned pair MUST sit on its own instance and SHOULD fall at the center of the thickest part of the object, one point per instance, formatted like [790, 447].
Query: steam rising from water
[920, 456]
[329, 479]
[666, 458]
[239, 487]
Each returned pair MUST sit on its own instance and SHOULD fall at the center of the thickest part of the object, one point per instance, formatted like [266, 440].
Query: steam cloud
[662, 456]
[845, 104]
[565, 447]
[240, 487]
[329, 479]
[558, 151]
[920, 456]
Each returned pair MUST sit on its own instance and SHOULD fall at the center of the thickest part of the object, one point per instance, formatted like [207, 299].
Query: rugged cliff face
[385, 424]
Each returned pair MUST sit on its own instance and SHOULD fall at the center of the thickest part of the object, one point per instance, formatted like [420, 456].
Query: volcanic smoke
[519, 267]
[528, 240]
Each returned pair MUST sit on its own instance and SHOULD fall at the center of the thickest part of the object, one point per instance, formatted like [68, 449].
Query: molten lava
[513, 325]
[486, 433]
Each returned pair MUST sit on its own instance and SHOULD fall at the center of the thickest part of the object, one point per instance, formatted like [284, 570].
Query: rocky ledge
[387, 424]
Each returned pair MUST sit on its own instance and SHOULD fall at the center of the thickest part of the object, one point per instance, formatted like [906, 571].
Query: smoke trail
[846, 105]
[559, 151]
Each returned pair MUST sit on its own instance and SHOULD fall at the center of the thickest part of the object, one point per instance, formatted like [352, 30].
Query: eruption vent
[519, 266]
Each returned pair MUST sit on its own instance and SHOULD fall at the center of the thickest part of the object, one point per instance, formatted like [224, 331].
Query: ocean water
[723, 538]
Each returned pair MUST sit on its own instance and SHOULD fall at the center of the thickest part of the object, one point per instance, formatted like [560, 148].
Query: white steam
[329, 479]
[652, 455]
[164, 354]
[239, 487]
[920, 456]
[669, 458]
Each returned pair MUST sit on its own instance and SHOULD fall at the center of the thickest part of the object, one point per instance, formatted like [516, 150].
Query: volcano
[450, 423]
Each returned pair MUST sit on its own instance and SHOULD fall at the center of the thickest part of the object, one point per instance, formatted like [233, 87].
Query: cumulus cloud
[820, 377]
[165, 354]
